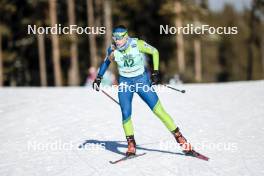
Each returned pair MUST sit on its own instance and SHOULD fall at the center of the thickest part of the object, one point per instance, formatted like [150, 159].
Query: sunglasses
[119, 36]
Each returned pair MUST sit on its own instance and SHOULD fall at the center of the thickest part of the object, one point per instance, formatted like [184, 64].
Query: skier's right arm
[103, 68]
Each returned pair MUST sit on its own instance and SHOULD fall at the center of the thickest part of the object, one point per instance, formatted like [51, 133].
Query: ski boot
[131, 146]
[186, 146]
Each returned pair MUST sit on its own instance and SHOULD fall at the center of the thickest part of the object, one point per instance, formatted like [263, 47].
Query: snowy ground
[42, 131]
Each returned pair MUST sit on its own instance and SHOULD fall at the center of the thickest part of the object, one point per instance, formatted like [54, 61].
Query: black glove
[96, 83]
[155, 77]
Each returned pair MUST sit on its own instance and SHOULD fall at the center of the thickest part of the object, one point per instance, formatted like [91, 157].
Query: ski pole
[182, 91]
[110, 96]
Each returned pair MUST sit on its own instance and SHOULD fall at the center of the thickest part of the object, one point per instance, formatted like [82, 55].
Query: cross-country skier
[129, 53]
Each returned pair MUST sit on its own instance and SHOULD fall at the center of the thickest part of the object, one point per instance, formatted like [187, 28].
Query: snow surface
[77, 131]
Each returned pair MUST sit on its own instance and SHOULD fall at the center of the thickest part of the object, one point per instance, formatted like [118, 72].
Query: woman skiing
[129, 53]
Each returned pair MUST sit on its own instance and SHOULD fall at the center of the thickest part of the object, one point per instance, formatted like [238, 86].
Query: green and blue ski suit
[133, 78]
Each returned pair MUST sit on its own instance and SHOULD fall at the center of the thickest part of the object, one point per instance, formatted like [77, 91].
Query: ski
[197, 155]
[127, 158]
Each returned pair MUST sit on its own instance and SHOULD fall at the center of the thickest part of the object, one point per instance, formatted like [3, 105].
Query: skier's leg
[125, 99]
[148, 94]
[154, 103]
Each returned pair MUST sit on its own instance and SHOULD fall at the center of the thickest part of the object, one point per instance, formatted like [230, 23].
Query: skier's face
[121, 42]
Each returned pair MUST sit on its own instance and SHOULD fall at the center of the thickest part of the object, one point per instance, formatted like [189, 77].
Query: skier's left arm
[148, 49]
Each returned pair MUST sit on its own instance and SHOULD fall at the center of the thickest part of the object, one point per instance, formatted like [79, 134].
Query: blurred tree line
[60, 60]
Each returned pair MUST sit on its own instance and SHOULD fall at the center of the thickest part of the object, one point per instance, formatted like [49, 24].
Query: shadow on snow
[114, 147]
